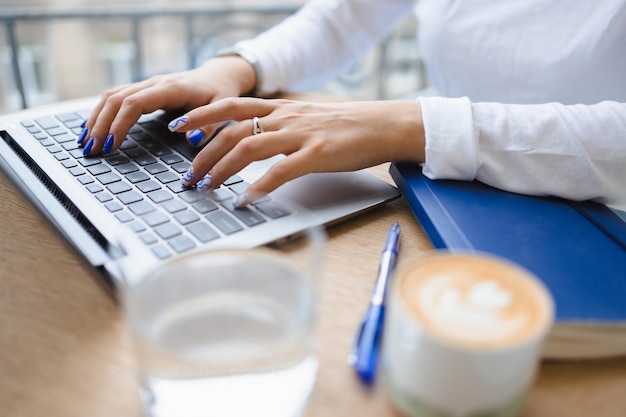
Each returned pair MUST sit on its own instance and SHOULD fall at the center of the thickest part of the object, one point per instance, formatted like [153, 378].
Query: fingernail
[109, 143]
[88, 147]
[205, 183]
[196, 137]
[83, 124]
[82, 136]
[240, 201]
[187, 178]
[178, 123]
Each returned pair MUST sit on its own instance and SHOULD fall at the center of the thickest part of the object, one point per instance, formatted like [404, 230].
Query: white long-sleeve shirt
[533, 92]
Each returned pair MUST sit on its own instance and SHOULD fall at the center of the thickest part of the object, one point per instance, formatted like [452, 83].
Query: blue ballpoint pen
[364, 354]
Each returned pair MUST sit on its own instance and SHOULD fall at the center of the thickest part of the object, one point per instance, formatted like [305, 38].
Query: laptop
[129, 208]
[578, 248]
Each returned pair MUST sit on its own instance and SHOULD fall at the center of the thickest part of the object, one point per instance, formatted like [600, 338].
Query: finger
[199, 137]
[293, 166]
[235, 147]
[230, 108]
[98, 127]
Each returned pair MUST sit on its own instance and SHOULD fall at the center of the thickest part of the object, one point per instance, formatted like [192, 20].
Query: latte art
[474, 301]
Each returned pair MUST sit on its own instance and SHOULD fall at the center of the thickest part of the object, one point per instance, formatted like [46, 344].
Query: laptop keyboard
[139, 185]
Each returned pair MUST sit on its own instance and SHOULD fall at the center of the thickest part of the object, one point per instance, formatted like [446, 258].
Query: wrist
[253, 81]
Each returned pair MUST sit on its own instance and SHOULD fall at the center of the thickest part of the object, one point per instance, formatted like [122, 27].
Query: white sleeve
[572, 151]
[321, 39]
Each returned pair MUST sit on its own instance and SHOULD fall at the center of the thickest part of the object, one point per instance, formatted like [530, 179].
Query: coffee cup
[463, 335]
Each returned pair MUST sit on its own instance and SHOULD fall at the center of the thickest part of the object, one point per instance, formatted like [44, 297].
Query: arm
[576, 152]
[321, 40]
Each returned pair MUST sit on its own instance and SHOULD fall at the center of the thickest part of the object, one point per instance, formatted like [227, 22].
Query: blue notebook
[577, 248]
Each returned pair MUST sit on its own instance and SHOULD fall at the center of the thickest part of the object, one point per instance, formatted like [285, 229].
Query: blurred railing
[201, 26]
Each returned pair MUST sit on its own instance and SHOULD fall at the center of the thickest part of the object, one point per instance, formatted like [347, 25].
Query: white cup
[463, 335]
[227, 332]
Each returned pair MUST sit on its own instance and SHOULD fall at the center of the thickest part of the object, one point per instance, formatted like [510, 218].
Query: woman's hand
[119, 109]
[315, 137]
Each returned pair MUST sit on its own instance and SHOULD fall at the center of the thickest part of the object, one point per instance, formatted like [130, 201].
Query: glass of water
[228, 332]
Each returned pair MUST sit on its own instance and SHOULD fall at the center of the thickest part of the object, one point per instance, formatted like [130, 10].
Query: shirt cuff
[451, 138]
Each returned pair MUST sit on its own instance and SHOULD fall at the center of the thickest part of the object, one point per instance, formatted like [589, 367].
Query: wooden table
[64, 350]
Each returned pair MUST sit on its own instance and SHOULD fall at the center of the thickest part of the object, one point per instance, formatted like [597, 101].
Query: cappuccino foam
[474, 301]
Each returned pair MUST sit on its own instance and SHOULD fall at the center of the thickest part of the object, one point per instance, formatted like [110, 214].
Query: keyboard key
[98, 169]
[272, 209]
[156, 168]
[167, 177]
[61, 156]
[135, 153]
[104, 197]
[148, 238]
[55, 149]
[148, 186]
[113, 206]
[54, 131]
[173, 206]
[233, 180]
[145, 160]
[126, 168]
[47, 122]
[155, 218]
[177, 187]
[181, 167]
[124, 217]
[219, 194]
[224, 222]
[118, 187]
[181, 244]
[137, 227]
[127, 144]
[129, 197]
[84, 179]
[186, 217]
[159, 196]
[77, 171]
[203, 232]
[65, 138]
[117, 159]
[167, 230]
[239, 188]
[70, 146]
[94, 188]
[141, 208]
[204, 206]
[87, 162]
[135, 177]
[192, 195]
[161, 252]
[248, 216]
[40, 135]
[172, 159]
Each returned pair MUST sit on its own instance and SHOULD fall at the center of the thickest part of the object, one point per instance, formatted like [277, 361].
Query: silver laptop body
[134, 195]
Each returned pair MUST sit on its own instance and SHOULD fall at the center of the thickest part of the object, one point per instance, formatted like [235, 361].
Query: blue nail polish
[83, 124]
[82, 136]
[109, 143]
[187, 178]
[196, 137]
[205, 183]
[178, 123]
[88, 146]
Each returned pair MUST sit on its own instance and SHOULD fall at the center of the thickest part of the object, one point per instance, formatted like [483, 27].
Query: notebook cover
[577, 248]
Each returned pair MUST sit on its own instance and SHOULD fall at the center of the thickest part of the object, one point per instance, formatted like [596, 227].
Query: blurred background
[52, 50]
